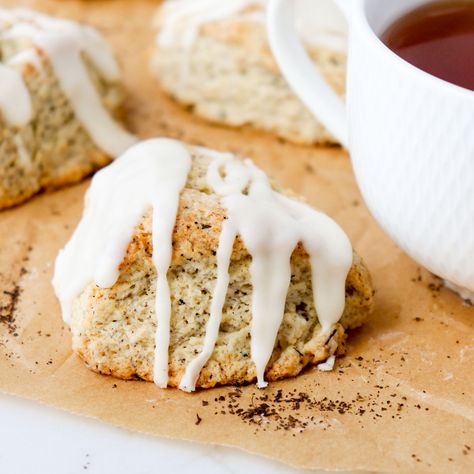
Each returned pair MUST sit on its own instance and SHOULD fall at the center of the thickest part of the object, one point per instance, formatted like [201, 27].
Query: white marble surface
[38, 439]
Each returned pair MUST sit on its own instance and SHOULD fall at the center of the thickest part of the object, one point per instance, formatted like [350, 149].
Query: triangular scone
[58, 116]
[214, 56]
[113, 328]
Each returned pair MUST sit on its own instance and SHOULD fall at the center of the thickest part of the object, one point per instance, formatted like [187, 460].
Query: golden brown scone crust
[113, 329]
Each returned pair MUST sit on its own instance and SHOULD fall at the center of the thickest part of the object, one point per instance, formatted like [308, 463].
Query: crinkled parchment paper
[400, 401]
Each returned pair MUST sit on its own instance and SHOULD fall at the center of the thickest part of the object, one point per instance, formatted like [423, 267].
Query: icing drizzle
[15, 102]
[318, 21]
[152, 174]
[63, 42]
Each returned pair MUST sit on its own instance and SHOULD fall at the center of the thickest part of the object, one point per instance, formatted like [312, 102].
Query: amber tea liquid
[438, 38]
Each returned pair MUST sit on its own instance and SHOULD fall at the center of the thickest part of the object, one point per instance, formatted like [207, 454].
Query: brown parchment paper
[400, 401]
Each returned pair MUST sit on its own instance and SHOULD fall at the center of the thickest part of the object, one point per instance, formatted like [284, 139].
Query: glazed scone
[114, 325]
[214, 57]
[60, 106]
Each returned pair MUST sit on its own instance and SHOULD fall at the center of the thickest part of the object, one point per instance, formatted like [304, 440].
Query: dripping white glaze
[15, 101]
[223, 254]
[172, 178]
[183, 18]
[28, 56]
[23, 153]
[99, 242]
[318, 21]
[328, 365]
[271, 225]
[152, 174]
[63, 42]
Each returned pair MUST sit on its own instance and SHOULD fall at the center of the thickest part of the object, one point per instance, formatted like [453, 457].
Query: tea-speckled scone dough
[113, 329]
[229, 76]
[53, 149]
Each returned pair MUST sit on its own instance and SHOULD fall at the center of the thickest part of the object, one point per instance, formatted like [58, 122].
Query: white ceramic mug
[410, 135]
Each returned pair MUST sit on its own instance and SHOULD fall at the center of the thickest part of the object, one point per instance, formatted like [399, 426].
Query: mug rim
[360, 14]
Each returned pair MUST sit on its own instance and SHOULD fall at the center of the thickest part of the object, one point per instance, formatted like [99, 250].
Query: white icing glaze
[319, 21]
[172, 175]
[110, 215]
[27, 56]
[27, 23]
[23, 154]
[271, 225]
[328, 365]
[152, 174]
[183, 18]
[223, 254]
[15, 101]
[64, 42]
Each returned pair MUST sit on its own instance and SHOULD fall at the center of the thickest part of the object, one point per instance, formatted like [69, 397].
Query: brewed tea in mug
[438, 38]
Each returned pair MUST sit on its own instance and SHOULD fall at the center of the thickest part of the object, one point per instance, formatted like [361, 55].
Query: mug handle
[300, 72]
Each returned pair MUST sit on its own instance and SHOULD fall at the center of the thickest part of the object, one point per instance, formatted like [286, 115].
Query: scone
[60, 101]
[188, 269]
[214, 57]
